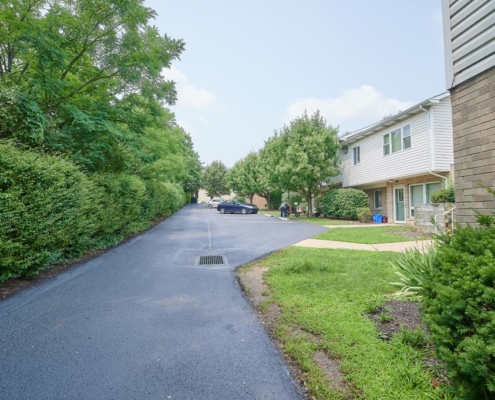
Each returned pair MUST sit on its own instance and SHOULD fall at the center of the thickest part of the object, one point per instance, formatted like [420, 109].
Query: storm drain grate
[210, 260]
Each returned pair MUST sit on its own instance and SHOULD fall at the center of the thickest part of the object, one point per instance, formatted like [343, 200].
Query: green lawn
[312, 220]
[371, 235]
[326, 293]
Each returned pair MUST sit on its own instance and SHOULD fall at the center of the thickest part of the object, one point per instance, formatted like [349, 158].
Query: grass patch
[385, 234]
[326, 292]
[313, 220]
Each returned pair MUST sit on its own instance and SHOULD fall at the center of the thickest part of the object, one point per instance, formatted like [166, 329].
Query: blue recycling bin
[377, 218]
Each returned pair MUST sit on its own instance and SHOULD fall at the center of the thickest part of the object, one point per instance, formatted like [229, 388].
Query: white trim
[447, 47]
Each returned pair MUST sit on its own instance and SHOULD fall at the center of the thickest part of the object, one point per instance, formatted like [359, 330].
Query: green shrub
[413, 268]
[329, 203]
[459, 307]
[120, 206]
[444, 195]
[46, 211]
[343, 203]
[364, 214]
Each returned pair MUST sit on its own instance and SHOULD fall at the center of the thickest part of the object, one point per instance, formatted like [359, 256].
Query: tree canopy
[244, 176]
[84, 78]
[307, 151]
[215, 179]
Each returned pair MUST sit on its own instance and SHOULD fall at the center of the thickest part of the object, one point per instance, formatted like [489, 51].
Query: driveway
[147, 321]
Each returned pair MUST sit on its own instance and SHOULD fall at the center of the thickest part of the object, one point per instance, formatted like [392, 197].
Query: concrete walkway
[332, 244]
[422, 245]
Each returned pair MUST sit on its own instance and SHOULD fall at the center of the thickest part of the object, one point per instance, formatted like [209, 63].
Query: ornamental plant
[413, 268]
[459, 307]
[345, 202]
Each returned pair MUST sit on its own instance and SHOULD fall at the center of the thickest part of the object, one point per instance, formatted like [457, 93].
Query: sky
[251, 67]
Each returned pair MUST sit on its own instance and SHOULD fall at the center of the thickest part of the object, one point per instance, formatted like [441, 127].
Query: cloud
[173, 74]
[187, 128]
[189, 95]
[195, 97]
[354, 105]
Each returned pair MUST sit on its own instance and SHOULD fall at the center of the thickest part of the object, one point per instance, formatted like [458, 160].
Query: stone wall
[473, 117]
[424, 213]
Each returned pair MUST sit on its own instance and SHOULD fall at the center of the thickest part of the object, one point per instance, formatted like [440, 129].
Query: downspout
[431, 147]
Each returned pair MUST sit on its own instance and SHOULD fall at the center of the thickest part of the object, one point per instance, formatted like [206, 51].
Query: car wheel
[222, 211]
[243, 211]
[210, 206]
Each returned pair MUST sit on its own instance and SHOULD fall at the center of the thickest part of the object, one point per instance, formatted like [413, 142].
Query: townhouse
[400, 160]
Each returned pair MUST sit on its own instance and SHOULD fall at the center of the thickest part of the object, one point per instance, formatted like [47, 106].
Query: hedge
[46, 211]
[51, 211]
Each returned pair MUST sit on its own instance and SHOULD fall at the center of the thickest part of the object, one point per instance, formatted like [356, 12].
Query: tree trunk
[309, 200]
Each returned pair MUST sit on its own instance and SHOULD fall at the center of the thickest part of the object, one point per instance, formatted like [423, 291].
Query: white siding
[443, 136]
[469, 36]
[375, 167]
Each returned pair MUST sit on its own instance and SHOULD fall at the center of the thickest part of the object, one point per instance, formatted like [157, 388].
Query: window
[386, 145]
[378, 199]
[356, 155]
[420, 194]
[415, 196]
[430, 188]
[397, 140]
[406, 136]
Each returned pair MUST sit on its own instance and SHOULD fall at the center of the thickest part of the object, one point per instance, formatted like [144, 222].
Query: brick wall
[473, 117]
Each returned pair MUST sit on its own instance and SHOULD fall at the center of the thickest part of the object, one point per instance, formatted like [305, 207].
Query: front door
[399, 206]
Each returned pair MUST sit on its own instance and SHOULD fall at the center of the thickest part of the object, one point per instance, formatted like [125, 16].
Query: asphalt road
[145, 321]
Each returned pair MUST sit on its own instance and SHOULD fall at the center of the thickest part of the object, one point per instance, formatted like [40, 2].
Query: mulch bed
[403, 314]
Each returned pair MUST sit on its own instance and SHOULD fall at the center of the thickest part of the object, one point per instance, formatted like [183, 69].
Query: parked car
[213, 203]
[233, 206]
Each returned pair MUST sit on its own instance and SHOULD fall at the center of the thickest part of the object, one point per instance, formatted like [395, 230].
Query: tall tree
[269, 183]
[244, 176]
[94, 68]
[308, 155]
[194, 166]
[215, 179]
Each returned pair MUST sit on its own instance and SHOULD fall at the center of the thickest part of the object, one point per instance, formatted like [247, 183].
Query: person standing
[283, 209]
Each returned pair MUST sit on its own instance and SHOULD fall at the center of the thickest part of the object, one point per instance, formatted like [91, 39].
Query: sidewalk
[421, 245]
[331, 244]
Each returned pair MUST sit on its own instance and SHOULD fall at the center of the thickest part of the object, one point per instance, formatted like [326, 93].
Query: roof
[397, 118]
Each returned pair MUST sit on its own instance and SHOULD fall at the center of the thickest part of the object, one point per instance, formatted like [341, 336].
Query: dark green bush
[343, 203]
[329, 203]
[120, 206]
[46, 211]
[459, 308]
[50, 211]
